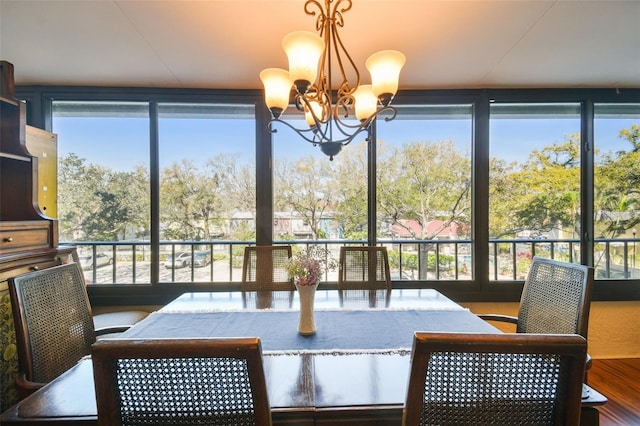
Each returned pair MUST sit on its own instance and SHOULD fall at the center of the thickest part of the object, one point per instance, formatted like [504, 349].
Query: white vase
[307, 324]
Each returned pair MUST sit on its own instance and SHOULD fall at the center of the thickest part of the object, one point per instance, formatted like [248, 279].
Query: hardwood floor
[619, 381]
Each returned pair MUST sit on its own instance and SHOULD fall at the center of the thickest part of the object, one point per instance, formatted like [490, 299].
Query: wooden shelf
[15, 157]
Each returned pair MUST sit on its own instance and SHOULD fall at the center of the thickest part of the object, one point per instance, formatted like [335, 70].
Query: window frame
[39, 100]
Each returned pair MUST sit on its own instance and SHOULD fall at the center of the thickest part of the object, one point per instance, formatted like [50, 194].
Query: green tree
[425, 181]
[198, 201]
[422, 182]
[545, 192]
[96, 203]
[306, 188]
[350, 175]
[502, 216]
[236, 183]
[190, 202]
[114, 212]
[77, 187]
[139, 198]
[618, 186]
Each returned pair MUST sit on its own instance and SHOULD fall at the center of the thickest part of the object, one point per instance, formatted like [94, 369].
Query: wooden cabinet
[28, 229]
[24, 235]
[25, 246]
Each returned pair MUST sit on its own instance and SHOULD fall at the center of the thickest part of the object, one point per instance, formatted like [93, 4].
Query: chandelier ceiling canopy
[334, 116]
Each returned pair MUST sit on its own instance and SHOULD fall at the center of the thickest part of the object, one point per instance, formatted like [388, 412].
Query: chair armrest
[26, 387]
[112, 329]
[514, 320]
[498, 317]
[117, 322]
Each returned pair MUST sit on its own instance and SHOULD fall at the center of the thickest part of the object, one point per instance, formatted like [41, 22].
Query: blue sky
[101, 141]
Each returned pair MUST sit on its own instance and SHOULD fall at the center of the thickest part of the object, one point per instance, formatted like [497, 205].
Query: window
[316, 198]
[191, 193]
[617, 190]
[534, 186]
[309, 189]
[103, 184]
[207, 189]
[424, 191]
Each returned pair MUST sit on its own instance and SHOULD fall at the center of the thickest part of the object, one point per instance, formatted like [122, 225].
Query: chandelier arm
[323, 26]
[354, 130]
[346, 101]
[344, 141]
[389, 108]
[320, 133]
[298, 103]
[300, 132]
[304, 104]
[322, 16]
[322, 130]
[366, 123]
[344, 88]
[337, 20]
[343, 9]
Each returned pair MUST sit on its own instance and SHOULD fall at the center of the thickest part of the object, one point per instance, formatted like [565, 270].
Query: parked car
[102, 259]
[182, 260]
[201, 258]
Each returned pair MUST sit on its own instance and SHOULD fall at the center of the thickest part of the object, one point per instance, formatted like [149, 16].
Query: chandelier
[334, 116]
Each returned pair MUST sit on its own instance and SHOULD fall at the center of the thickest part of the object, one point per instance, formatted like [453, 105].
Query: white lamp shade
[366, 102]
[317, 110]
[303, 49]
[384, 68]
[277, 87]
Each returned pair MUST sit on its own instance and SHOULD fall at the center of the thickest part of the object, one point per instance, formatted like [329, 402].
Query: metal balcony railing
[129, 262]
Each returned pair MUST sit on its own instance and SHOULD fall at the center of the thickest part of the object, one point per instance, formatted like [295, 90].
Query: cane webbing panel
[502, 379]
[490, 388]
[185, 391]
[364, 268]
[553, 298]
[264, 268]
[215, 381]
[56, 326]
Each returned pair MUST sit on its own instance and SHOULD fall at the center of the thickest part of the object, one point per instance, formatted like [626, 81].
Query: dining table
[353, 370]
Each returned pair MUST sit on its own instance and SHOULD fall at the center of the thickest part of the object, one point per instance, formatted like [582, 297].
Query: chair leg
[589, 416]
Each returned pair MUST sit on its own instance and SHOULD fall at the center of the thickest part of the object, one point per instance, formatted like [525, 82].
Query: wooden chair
[265, 281]
[556, 299]
[214, 381]
[363, 275]
[503, 379]
[53, 322]
[112, 322]
[264, 269]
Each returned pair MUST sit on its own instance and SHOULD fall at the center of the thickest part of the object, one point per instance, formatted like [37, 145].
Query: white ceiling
[225, 43]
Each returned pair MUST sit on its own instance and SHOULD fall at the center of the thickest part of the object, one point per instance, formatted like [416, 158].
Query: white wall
[614, 327]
